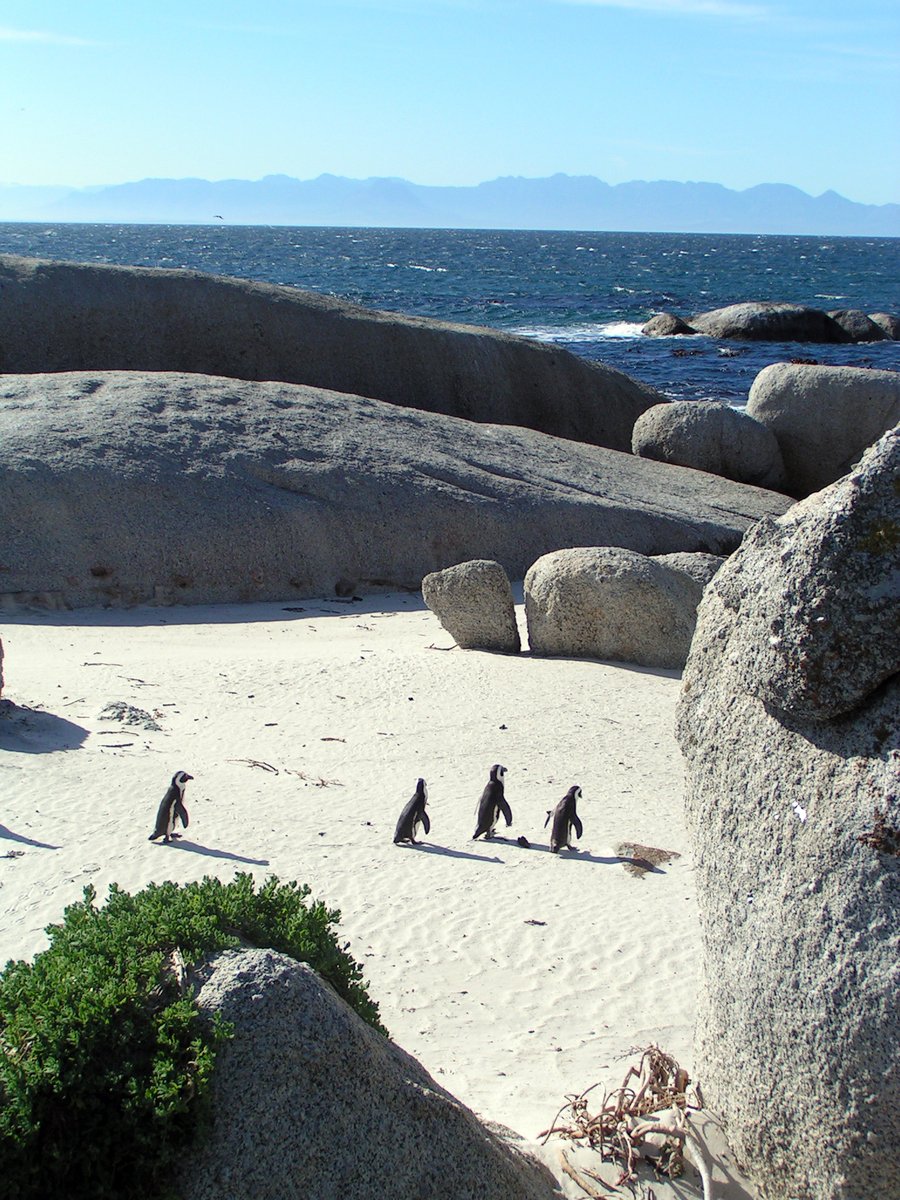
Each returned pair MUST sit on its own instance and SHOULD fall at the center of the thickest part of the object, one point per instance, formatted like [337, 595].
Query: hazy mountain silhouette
[511, 202]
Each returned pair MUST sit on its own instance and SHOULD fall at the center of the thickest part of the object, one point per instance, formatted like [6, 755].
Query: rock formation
[823, 418]
[887, 322]
[75, 317]
[710, 437]
[307, 1102]
[606, 602]
[762, 321]
[663, 324]
[474, 603]
[123, 488]
[790, 723]
[857, 326]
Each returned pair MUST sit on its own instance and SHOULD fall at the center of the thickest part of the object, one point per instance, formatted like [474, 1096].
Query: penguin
[565, 819]
[413, 816]
[171, 809]
[491, 805]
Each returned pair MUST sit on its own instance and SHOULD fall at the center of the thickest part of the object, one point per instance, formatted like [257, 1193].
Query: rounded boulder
[710, 437]
[474, 603]
[823, 418]
[609, 603]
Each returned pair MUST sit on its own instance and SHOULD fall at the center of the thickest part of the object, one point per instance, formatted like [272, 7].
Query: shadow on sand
[33, 731]
[427, 848]
[209, 852]
[24, 841]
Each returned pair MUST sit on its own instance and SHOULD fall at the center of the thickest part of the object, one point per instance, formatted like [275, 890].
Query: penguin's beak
[187, 777]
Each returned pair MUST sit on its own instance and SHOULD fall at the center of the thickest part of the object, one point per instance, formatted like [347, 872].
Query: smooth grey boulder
[606, 602]
[665, 324]
[307, 1102]
[823, 417]
[887, 322]
[713, 437]
[794, 814]
[857, 326]
[769, 322]
[474, 603]
[58, 316]
[124, 488]
[700, 567]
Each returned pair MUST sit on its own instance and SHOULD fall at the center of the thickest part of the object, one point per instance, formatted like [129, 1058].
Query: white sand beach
[514, 975]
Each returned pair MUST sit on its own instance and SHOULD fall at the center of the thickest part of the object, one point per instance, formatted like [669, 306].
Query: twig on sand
[573, 1174]
[254, 762]
[620, 1131]
[432, 646]
[315, 780]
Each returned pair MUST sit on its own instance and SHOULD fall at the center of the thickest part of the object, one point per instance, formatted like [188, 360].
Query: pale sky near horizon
[738, 92]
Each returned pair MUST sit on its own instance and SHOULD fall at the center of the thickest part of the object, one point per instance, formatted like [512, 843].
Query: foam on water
[592, 331]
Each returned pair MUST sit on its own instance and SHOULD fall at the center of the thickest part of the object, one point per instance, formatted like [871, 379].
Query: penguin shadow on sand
[22, 840]
[211, 852]
[429, 848]
[34, 731]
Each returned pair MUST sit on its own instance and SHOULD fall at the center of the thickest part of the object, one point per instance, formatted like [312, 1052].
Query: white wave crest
[596, 331]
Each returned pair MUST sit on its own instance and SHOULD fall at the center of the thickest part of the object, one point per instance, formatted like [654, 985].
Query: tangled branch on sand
[645, 1118]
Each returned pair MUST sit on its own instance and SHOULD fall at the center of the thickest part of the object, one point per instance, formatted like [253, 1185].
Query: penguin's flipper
[426, 824]
[576, 825]
[507, 812]
[181, 814]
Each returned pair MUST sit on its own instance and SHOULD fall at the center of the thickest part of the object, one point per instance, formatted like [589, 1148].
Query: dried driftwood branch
[622, 1128]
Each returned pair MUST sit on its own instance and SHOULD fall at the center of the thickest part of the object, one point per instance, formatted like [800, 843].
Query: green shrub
[103, 1057]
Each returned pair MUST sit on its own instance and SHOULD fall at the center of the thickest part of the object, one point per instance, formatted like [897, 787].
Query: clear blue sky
[737, 92]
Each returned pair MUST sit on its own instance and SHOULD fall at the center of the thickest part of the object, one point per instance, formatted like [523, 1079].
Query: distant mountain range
[559, 202]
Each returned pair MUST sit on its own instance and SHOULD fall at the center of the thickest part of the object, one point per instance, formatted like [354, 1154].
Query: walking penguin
[413, 816]
[171, 809]
[492, 804]
[565, 819]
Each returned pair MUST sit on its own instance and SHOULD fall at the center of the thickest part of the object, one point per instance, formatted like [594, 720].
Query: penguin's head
[180, 778]
[422, 790]
[498, 772]
[575, 792]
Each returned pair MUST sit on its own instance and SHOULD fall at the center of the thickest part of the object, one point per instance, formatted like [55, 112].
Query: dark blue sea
[590, 292]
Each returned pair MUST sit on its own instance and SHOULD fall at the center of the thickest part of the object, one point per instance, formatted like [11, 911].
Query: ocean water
[590, 292]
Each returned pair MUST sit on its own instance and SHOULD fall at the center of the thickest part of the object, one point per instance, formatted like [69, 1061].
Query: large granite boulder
[85, 317]
[474, 603]
[307, 1102]
[765, 321]
[789, 721]
[123, 488]
[606, 602]
[664, 324]
[823, 417]
[712, 437]
[857, 326]
[888, 323]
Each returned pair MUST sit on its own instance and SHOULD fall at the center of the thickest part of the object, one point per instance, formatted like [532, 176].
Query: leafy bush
[103, 1057]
